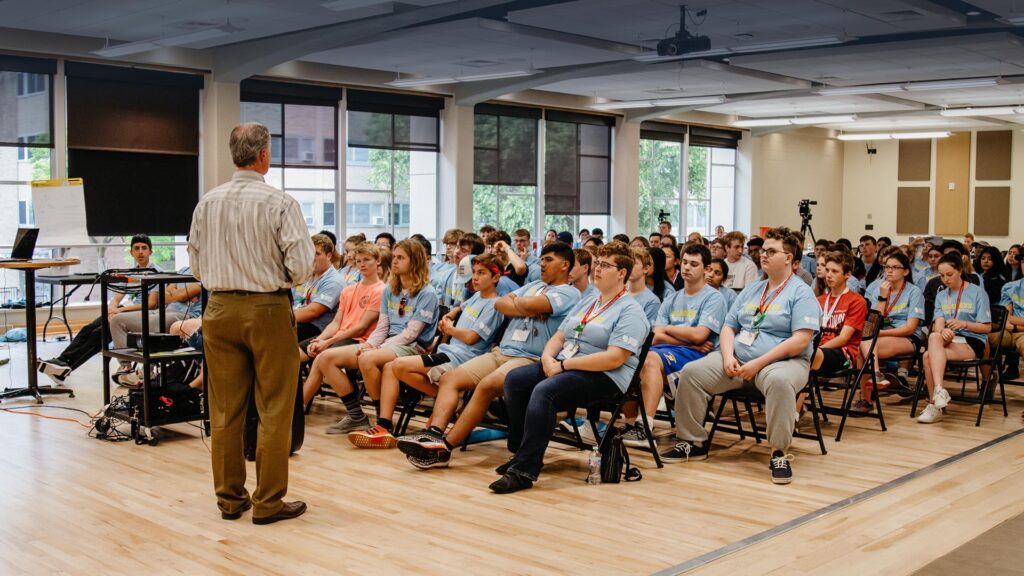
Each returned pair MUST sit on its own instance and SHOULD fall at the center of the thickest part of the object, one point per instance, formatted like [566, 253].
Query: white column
[221, 111]
[625, 179]
[455, 201]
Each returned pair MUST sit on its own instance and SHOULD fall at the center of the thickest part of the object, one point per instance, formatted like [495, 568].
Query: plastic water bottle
[595, 467]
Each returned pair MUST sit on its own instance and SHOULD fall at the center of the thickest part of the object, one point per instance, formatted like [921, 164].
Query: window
[25, 215]
[711, 189]
[577, 166]
[329, 214]
[505, 167]
[307, 213]
[29, 84]
[357, 157]
[660, 183]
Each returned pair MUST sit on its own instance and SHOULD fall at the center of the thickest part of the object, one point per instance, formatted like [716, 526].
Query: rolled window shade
[391, 103]
[289, 93]
[714, 137]
[663, 131]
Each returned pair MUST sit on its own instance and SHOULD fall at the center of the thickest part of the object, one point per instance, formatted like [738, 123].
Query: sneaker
[941, 398]
[1012, 372]
[782, 472]
[634, 435]
[587, 432]
[423, 446]
[376, 437]
[685, 452]
[349, 424]
[56, 369]
[861, 408]
[128, 379]
[930, 415]
[882, 380]
[440, 460]
[510, 482]
[566, 424]
[503, 469]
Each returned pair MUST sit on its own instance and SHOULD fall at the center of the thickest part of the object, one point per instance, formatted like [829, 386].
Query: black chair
[409, 398]
[852, 378]
[985, 382]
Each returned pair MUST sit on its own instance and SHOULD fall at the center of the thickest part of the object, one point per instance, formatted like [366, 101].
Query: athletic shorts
[978, 346]
[674, 358]
[401, 350]
[439, 365]
[834, 360]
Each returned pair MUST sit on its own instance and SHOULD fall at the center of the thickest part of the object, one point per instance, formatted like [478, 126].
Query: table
[76, 281]
[29, 268]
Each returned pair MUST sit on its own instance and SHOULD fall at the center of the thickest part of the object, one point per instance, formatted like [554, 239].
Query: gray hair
[247, 140]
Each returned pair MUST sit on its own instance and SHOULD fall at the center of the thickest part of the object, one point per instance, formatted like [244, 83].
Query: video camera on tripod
[662, 215]
[805, 218]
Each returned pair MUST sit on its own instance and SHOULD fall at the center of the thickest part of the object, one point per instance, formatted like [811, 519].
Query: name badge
[959, 340]
[520, 335]
[569, 349]
[746, 337]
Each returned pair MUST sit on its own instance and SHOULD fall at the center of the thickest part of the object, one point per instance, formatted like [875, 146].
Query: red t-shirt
[851, 310]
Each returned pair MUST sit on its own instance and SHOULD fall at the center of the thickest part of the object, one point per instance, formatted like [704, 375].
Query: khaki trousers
[249, 341]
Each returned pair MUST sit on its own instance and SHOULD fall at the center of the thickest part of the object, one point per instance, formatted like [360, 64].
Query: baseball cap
[464, 272]
[565, 237]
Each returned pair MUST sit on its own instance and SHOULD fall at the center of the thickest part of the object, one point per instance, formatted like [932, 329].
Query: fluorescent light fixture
[348, 4]
[1014, 20]
[407, 82]
[496, 75]
[683, 101]
[833, 119]
[787, 44]
[757, 122]
[951, 84]
[868, 89]
[892, 135]
[126, 49]
[655, 57]
[982, 111]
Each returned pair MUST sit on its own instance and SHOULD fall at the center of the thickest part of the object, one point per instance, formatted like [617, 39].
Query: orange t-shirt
[355, 300]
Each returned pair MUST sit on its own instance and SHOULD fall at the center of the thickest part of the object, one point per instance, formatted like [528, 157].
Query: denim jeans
[533, 402]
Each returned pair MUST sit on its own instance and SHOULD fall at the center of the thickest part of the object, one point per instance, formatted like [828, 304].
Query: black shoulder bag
[615, 460]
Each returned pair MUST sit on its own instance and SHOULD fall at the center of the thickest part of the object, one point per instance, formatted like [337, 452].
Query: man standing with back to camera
[249, 246]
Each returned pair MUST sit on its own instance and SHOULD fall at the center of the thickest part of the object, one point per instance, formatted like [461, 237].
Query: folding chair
[993, 362]
[409, 398]
[852, 378]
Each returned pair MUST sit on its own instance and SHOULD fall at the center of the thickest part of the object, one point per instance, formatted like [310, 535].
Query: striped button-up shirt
[248, 235]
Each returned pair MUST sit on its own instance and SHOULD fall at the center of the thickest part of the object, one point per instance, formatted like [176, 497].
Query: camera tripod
[806, 230]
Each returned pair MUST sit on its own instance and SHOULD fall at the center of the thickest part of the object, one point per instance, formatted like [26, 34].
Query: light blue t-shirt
[974, 307]
[350, 275]
[588, 292]
[795, 308]
[1013, 295]
[325, 290]
[532, 268]
[422, 307]
[730, 296]
[478, 314]
[650, 303]
[705, 308]
[855, 285]
[622, 325]
[440, 279]
[189, 308]
[809, 263]
[921, 278]
[910, 304]
[669, 291]
[562, 299]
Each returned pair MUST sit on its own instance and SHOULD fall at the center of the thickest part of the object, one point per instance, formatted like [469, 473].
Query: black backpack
[615, 460]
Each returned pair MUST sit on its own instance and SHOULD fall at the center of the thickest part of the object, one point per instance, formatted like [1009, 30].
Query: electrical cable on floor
[19, 410]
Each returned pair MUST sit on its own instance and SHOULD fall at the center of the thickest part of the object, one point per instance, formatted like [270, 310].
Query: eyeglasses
[603, 265]
[771, 252]
[401, 306]
[892, 268]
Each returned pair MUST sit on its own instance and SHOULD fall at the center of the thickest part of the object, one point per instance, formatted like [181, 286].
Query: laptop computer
[24, 245]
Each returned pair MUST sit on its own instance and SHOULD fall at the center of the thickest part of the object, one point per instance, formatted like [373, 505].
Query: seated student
[592, 356]
[583, 237]
[695, 237]
[621, 238]
[766, 342]
[190, 330]
[800, 272]
[883, 242]
[349, 273]
[534, 312]
[357, 316]
[656, 280]
[525, 252]
[513, 267]
[87, 342]
[820, 247]
[593, 242]
[654, 239]
[317, 298]
[715, 275]
[638, 284]
[936, 284]
[385, 240]
[742, 272]
[665, 227]
[455, 292]
[668, 240]
[485, 232]
[820, 286]
[962, 321]
[550, 236]
[471, 335]
[441, 271]
[754, 246]
[579, 276]
[842, 322]
[597, 233]
[640, 242]
[869, 256]
[1012, 297]
[672, 275]
[931, 270]
[405, 328]
[1012, 263]
[718, 249]
[686, 329]
[990, 264]
[902, 332]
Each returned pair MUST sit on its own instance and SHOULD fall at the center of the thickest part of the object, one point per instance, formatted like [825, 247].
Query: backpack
[615, 460]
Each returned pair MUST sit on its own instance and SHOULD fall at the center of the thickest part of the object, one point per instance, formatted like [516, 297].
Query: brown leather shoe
[287, 512]
[236, 515]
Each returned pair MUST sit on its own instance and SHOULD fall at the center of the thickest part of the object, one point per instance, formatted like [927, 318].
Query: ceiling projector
[684, 42]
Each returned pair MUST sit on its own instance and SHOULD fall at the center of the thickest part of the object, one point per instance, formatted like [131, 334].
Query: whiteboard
[59, 207]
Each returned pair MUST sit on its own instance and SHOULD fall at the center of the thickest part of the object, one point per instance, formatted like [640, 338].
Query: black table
[75, 281]
[33, 389]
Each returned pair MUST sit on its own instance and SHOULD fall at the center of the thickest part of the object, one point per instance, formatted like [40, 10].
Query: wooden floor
[81, 506]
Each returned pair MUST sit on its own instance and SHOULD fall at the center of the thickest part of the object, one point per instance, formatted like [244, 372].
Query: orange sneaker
[376, 437]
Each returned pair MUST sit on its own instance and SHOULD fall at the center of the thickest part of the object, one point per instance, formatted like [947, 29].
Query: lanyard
[586, 317]
[762, 307]
[892, 301]
[830, 311]
[949, 300]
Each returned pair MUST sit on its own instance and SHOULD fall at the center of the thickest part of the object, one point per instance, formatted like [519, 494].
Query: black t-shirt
[510, 271]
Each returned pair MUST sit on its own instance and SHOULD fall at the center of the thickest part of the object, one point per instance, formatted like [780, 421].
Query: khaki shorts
[401, 350]
[435, 373]
[494, 361]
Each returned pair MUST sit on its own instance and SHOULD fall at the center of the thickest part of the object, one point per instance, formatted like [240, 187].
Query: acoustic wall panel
[992, 160]
[952, 183]
[915, 163]
[912, 205]
[992, 210]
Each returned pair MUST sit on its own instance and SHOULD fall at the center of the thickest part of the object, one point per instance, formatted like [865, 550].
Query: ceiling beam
[644, 114]
[559, 36]
[753, 74]
[472, 93]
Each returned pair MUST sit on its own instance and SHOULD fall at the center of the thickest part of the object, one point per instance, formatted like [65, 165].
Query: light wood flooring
[77, 505]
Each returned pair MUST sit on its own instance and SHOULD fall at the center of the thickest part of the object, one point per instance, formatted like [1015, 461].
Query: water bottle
[595, 467]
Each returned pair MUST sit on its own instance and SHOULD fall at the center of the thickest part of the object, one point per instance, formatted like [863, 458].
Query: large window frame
[516, 193]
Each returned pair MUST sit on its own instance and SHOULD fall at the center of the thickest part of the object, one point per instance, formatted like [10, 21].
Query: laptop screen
[25, 243]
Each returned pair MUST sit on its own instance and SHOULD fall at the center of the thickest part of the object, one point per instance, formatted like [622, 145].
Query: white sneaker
[940, 398]
[930, 415]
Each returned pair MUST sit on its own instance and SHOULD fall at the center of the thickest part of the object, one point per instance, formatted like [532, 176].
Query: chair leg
[917, 393]
[650, 434]
[878, 407]
[736, 413]
[817, 424]
[847, 402]
[718, 417]
[753, 421]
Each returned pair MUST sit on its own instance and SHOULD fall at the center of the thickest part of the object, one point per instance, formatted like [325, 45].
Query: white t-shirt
[741, 274]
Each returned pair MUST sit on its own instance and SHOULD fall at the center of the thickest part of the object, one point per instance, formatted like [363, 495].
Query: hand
[947, 335]
[550, 365]
[446, 325]
[365, 347]
[113, 312]
[314, 347]
[749, 370]
[704, 348]
[731, 365]
[501, 246]
[883, 290]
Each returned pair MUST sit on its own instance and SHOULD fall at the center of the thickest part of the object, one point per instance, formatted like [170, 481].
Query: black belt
[251, 293]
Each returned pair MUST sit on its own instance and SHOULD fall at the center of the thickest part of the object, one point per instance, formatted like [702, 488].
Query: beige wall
[787, 167]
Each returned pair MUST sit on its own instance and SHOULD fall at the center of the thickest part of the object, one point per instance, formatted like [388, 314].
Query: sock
[385, 424]
[351, 401]
[376, 406]
[447, 445]
[435, 430]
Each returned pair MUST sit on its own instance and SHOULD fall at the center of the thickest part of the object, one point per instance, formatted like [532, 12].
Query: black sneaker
[439, 460]
[503, 469]
[510, 482]
[1012, 372]
[685, 452]
[424, 446]
[782, 472]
